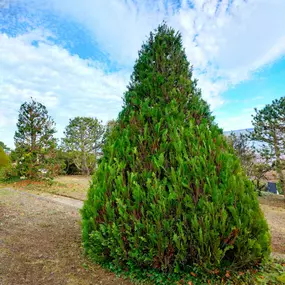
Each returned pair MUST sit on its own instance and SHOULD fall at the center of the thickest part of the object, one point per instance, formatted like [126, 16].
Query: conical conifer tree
[169, 192]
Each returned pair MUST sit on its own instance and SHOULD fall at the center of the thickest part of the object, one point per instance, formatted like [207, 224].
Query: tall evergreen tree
[169, 191]
[269, 129]
[34, 140]
[83, 141]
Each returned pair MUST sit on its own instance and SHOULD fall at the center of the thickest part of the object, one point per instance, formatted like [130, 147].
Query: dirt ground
[40, 234]
[40, 243]
[72, 186]
[273, 207]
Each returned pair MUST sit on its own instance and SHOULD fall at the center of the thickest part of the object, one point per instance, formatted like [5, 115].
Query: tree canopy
[269, 129]
[83, 141]
[34, 140]
[169, 192]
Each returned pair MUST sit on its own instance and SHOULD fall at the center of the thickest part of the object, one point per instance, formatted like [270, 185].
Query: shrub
[4, 159]
[7, 170]
[169, 192]
[9, 173]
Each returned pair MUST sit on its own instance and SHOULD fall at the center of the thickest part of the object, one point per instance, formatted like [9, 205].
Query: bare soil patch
[273, 207]
[72, 186]
[41, 244]
[40, 233]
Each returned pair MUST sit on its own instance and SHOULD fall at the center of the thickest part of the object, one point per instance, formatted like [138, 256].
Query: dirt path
[40, 240]
[51, 197]
[276, 219]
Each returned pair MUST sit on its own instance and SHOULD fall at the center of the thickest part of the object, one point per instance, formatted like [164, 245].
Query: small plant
[4, 159]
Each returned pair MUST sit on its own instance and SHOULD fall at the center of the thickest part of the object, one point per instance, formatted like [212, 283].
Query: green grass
[271, 273]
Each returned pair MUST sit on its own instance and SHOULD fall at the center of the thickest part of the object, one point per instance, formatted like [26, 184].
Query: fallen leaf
[193, 274]
[240, 273]
[228, 274]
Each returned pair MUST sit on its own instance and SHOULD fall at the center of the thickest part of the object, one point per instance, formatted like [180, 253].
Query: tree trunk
[278, 165]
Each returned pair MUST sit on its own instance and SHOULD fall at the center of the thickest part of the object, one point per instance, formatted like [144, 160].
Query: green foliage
[169, 193]
[269, 128]
[4, 159]
[254, 168]
[66, 160]
[270, 273]
[9, 174]
[4, 147]
[34, 141]
[7, 170]
[244, 151]
[83, 141]
[108, 130]
[259, 171]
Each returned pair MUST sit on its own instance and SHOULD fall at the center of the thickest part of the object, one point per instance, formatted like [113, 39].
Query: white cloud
[226, 42]
[66, 84]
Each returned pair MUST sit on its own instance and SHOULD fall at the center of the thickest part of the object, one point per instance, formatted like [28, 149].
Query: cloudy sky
[76, 56]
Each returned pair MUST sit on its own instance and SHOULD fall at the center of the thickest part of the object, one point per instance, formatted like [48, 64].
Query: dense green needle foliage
[83, 141]
[35, 142]
[169, 192]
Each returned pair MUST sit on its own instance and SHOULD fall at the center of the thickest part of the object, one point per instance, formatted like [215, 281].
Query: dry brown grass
[73, 186]
[41, 244]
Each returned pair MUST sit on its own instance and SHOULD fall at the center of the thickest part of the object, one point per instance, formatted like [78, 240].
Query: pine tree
[244, 151]
[169, 191]
[34, 141]
[83, 141]
[269, 129]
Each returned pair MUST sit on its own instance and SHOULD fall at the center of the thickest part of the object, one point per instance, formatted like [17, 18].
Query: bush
[4, 159]
[169, 192]
[9, 173]
[7, 170]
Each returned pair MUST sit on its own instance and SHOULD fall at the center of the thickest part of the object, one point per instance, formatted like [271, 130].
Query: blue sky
[76, 57]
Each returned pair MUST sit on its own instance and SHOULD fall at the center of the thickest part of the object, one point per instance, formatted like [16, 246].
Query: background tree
[244, 151]
[169, 192]
[4, 147]
[108, 130]
[269, 129]
[4, 159]
[34, 141]
[258, 175]
[83, 142]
